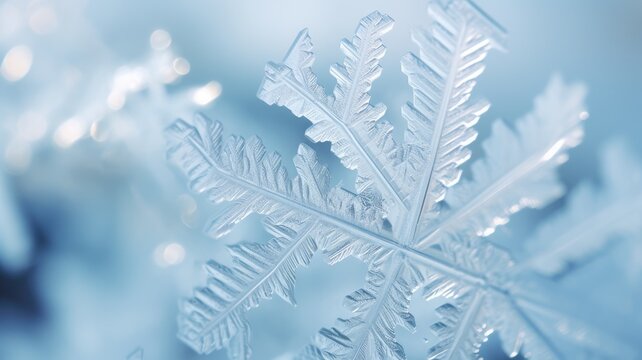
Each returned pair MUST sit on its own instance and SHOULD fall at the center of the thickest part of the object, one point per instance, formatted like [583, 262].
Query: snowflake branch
[439, 119]
[520, 169]
[359, 137]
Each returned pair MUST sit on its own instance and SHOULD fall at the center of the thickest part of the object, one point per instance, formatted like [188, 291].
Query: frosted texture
[416, 231]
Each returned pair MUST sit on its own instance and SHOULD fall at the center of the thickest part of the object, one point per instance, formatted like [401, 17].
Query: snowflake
[413, 233]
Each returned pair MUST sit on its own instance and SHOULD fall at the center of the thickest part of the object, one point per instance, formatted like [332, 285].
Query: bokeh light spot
[16, 63]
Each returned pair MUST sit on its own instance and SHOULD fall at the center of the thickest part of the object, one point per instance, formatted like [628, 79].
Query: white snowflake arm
[244, 173]
[592, 218]
[526, 318]
[462, 325]
[470, 315]
[359, 137]
[440, 118]
[519, 333]
[378, 309]
[215, 317]
[519, 170]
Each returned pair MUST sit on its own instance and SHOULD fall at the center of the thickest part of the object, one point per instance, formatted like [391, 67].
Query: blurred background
[99, 237]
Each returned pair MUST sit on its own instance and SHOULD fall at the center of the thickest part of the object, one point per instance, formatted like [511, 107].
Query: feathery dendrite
[397, 221]
[593, 218]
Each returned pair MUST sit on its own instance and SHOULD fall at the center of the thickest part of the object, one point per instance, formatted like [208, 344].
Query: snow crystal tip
[477, 17]
[302, 45]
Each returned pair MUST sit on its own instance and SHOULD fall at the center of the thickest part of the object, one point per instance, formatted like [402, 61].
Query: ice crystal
[414, 234]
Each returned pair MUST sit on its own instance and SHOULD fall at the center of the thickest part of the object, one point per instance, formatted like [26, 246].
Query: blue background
[91, 289]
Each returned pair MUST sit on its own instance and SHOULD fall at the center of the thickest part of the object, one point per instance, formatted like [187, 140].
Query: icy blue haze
[392, 219]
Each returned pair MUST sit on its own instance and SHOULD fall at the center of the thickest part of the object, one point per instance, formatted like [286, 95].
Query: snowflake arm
[592, 218]
[525, 323]
[378, 309]
[440, 118]
[518, 331]
[471, 312]
[253, 179]
[544, 333]
[460, 329]
[520, 168]
[215, 317]
[359, 137]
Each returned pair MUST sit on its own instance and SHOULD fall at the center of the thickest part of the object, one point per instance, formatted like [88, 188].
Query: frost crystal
[414, 234]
